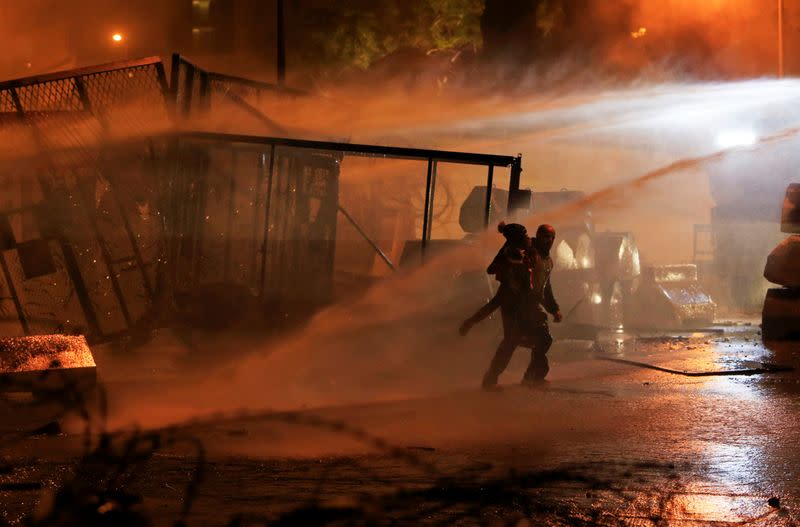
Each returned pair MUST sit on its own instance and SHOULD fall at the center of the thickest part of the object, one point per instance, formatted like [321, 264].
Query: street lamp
[118, 39]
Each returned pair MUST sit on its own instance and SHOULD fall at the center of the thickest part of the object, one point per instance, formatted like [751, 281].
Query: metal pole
[434, 174]
[488, 210]
[516, 173]
[369, 240]
[281, 44]
[267, 205]
[231, 213]
[260, 169]
[780, 39]
[188, 88]
[199, 221]
[175, 77]
[425, 214]
[513, 183]
[205, 92]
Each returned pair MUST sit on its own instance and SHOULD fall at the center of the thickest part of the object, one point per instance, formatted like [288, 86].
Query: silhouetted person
[509, 268]
[524, 295]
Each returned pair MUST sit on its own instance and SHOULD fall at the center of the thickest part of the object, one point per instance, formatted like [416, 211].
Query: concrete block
[45, 361]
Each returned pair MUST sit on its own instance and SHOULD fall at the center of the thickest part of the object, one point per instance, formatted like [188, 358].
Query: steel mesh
[191, 212]
[128, 101]
[225, 224]
[65, 120]
[7, 103]
[52, 97]
[49, 302]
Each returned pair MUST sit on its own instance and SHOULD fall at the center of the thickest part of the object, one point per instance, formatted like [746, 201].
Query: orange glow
[116, 37]
[639, 33]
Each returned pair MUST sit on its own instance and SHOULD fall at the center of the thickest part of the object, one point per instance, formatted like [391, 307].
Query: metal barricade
[72, 251]
[107, 217]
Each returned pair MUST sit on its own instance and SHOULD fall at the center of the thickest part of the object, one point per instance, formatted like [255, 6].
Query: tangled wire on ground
[99, 488]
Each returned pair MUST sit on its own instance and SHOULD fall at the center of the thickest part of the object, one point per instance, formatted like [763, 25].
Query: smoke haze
[643, 152]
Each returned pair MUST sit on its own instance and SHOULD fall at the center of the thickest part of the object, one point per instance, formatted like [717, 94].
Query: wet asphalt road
[601, 443]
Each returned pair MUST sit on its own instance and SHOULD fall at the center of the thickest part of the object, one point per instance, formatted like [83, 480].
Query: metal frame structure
[81, 73]
[192, 88]
[90, 94]
[66, 104]
[432, 157]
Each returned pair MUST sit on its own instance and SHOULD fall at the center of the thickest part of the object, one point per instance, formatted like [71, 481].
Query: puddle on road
[615, 343]
[696, 504]
[738, 431]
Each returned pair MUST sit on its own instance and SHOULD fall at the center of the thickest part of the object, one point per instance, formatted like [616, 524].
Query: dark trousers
[533, 335]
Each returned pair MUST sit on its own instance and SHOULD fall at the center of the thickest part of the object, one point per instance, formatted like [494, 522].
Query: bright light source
[596, 298]
[734, 138]
[116, 37]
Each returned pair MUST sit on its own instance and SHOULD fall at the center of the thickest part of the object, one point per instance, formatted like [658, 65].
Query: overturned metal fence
[106, 217]
[195, 89]
[69, 245]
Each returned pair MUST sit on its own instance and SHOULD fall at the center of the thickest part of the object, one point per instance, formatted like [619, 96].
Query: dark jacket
[541, 289]
[511, 268]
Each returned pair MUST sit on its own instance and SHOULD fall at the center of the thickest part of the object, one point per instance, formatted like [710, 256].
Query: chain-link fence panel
[255, 217]
[301, 231]
[84, 249]
[242, 100]
[81, 108]
[129, 101]
[109, 219]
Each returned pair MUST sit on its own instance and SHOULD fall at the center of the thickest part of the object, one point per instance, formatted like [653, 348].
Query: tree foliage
[356, 34]
[549, 16]
[455, 23]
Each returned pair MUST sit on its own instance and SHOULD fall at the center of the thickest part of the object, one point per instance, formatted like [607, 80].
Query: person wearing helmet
[523, 268]
[536, 303]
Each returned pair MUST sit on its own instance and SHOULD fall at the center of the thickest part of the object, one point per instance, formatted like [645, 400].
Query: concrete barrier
[44, 362]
